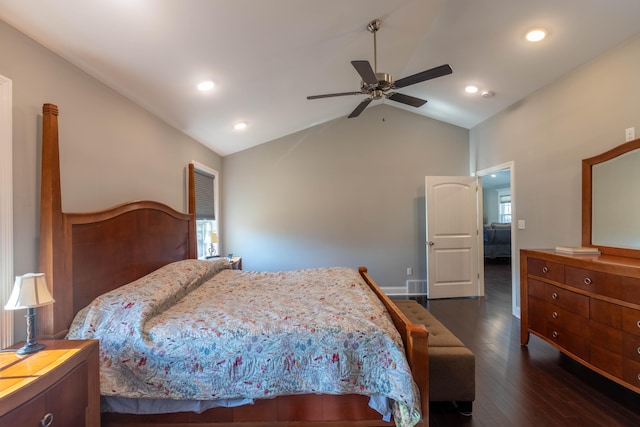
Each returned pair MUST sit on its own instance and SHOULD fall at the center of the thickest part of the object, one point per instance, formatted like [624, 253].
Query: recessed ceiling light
[471, 89]
[240, 125]
[205, 86]
[536, 35]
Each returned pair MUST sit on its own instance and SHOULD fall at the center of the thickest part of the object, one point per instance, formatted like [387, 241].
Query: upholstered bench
[452, 366]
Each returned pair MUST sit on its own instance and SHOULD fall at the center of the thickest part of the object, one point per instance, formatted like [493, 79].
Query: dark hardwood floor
[524, 386]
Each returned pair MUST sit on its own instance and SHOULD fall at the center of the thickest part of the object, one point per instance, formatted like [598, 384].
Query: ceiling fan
[376, 85]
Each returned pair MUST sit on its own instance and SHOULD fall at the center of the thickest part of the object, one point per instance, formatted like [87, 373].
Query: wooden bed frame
[87, 254]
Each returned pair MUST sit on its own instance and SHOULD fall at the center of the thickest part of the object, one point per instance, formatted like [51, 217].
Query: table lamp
[213, 238]
[30, 291]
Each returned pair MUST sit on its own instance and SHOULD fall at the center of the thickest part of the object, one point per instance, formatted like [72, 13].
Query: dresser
[588, 306]
[57, 386]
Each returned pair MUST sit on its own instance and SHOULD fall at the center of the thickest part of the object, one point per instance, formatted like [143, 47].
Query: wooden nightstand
[59, 385]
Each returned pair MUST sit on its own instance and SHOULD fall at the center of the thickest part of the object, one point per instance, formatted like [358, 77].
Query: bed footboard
[416, 342]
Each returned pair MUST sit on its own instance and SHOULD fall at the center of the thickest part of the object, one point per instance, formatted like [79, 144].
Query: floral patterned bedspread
[198, 330]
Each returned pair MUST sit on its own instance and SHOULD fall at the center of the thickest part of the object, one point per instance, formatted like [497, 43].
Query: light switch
[521, 224]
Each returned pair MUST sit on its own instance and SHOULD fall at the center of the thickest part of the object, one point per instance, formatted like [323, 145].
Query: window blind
[205, 208]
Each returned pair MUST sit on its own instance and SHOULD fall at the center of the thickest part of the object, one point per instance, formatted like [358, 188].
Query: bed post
[51, 257]
[193, 249]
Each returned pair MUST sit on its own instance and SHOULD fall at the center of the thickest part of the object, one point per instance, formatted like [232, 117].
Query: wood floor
[524, 386]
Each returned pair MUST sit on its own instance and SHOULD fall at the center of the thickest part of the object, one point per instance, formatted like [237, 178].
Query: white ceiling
[267, 56]
[498, 179]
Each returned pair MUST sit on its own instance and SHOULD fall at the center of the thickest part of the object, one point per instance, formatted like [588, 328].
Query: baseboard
[411, 288]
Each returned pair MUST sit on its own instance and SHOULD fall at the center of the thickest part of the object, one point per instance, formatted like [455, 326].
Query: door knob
[430, 243]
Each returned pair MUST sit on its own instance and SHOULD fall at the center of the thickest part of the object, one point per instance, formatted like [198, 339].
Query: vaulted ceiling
[265, 57]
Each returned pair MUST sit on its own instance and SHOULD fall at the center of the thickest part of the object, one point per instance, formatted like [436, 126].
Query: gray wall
[489, 205]
[548, 134]
[347, 192]
[111, 151]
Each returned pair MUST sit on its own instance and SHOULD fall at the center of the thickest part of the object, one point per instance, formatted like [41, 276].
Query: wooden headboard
[86, 254]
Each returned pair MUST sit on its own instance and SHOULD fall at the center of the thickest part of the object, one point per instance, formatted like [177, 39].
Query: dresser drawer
[629, 289]
[606, 313]
[537, 289]
[631, 347]
[537, 315]
[545, 269]
[64, 404]
[606, 337]
[569, 341]
[570, 322]
[608, 361]
[570, 301]
[631, 372]
[593, 281]
[631, 320]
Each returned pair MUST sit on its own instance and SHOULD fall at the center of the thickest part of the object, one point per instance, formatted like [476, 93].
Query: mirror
[611, 201]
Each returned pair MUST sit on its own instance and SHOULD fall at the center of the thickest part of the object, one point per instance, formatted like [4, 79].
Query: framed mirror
[611, 201]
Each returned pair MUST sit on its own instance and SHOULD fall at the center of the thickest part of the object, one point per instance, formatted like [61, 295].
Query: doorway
[499, 223]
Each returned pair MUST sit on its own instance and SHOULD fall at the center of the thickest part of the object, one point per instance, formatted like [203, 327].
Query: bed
[87, 255]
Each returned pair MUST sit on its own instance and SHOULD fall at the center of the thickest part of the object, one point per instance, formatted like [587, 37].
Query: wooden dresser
[57, 386]
[588, 306]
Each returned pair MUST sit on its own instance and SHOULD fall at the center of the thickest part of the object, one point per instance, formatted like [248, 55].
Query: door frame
[6, 208]
[515, 259]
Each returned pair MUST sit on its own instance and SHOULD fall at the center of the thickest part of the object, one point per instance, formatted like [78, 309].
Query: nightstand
[59, 385]
[236, 263]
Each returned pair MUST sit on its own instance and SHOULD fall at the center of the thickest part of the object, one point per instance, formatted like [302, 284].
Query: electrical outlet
[630, 134]
[409, 271]
[521, 224]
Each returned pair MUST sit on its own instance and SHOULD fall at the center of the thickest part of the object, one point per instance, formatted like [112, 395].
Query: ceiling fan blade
[366, 72]
[440, 71]
[406, 99]
[329, 95]
[360, 108]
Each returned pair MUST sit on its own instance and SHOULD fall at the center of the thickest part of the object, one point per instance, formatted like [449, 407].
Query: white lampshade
[213, 236]
[29, 291]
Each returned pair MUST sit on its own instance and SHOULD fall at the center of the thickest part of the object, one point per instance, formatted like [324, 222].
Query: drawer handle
[555, 296]
[47, 420]
[638, 350]
[555, 334]
[638, 323]
[555, 316]
[545, 270]
[587, 280]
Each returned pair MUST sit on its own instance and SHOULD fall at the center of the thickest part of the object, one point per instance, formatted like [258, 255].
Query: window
[206, 193]
[504, 206]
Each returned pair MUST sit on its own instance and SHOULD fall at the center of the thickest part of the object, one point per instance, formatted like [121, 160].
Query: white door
[453, 236]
